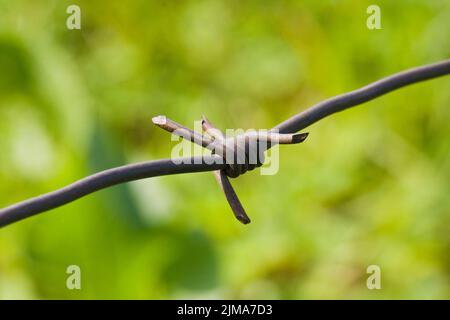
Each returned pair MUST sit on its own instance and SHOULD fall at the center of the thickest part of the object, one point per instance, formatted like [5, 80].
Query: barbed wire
[282, 133]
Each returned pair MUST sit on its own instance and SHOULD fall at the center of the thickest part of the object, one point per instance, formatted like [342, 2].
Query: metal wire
[162, 167]
[364, 94]
[105, 179]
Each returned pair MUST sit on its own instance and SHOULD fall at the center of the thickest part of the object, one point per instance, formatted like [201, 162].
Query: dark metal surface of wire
[102, 180]
[162, 167]
[364, 94]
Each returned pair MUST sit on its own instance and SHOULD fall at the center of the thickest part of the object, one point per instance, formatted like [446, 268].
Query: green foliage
[369, 186]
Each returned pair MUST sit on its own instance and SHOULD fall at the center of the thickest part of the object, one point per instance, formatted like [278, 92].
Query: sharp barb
[171, 126]
[159, 120]
[299, 137]
[277, 138]
[210, 129]
[231, 196]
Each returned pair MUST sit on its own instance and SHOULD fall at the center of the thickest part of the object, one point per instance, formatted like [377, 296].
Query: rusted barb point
[231, 196]
[159, 120]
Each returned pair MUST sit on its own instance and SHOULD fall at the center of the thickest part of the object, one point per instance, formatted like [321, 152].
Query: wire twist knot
[240, 154]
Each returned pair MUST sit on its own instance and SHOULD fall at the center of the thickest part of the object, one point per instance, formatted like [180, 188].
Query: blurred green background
[369, 186]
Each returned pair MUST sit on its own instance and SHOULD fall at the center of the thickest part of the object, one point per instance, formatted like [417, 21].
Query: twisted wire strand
[364, 94]
[162, 167]
[105, 179]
